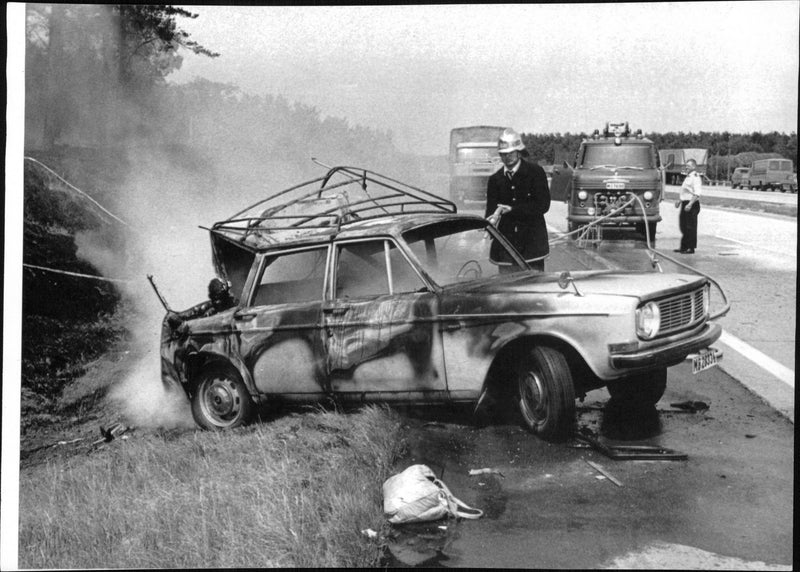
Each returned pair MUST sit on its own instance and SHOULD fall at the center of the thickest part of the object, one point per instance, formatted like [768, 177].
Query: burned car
[357, 287]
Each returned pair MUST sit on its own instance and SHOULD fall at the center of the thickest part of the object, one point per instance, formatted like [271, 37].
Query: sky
[421, 70]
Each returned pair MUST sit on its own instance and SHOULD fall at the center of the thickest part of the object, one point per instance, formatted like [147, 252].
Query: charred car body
[360, 288]
[611, 168]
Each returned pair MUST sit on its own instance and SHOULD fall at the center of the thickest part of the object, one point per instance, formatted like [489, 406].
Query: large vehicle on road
[773, 175]
[674, 161]
[611, 168]
[740, 178]
[359, 288]
[473, 158]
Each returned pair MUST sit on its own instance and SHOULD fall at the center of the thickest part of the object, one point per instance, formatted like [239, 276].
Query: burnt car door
[380, 333]
[279, 324]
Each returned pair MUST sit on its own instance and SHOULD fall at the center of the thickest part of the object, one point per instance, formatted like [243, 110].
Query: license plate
[704, 360]
[615, 186]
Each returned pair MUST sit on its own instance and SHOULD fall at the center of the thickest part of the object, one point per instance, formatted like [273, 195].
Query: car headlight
[648, 320]
[648, 196]
[590, 211]
[583, 195]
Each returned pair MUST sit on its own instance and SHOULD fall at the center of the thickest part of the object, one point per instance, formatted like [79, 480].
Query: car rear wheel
[221, 400]
[547, 394]
[642, 389]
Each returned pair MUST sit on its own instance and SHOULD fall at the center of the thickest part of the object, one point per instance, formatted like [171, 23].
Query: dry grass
[295, 492]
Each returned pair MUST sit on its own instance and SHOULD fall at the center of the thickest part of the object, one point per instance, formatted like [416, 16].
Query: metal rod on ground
[603, 472]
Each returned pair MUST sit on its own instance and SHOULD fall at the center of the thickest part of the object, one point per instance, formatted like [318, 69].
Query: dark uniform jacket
[529, 198]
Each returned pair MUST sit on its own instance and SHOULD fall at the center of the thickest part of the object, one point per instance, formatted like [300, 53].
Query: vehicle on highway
[357, 287]
[473, 159]
[740, 179]
[773, 175]
[675, 160]
[610, 169]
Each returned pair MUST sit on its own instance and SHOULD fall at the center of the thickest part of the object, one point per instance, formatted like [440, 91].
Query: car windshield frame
[437, 230]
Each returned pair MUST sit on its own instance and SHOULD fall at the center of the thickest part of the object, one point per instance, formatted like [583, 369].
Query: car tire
[546, 394]
[221, 400]
[642, 389]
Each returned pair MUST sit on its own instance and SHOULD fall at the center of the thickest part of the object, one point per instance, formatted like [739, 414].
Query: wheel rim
[532, 399]
[221, 402]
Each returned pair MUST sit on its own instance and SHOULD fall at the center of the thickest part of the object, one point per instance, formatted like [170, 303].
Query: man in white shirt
[689, 205]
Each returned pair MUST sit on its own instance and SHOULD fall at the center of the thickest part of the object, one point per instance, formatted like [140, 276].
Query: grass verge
[295, 492]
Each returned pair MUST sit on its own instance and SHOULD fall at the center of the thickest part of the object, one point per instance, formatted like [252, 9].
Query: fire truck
[611, 167]
[473, 158]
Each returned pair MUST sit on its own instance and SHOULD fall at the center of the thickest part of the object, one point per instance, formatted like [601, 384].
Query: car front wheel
[221, 400]
[641, 389]
[547, 394]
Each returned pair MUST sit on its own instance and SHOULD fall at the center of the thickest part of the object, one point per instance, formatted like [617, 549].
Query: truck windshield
[477, 154]
[631, 156]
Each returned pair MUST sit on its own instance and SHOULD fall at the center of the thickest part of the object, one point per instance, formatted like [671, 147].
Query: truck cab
[612, 168]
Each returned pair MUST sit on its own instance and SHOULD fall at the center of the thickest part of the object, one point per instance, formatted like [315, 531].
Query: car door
[381, 334]
[279, 325]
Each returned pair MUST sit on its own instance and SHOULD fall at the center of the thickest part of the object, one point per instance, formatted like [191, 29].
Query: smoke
[182, 169]
[163, 208]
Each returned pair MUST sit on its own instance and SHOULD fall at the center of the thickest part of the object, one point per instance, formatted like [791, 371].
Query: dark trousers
[688, 225]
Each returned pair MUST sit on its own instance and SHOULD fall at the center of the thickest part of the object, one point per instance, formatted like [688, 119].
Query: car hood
[602, 282]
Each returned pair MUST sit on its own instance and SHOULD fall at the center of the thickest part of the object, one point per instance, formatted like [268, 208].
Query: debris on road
[603, 472]
[691, 406]
[584, 439]
[110, 433]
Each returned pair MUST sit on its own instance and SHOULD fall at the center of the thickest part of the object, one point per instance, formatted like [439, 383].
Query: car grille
[682, 311]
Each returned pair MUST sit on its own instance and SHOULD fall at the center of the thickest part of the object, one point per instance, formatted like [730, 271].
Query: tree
[87, 60]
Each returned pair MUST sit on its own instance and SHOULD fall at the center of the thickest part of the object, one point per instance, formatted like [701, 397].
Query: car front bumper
[669, 354]
[615, 220]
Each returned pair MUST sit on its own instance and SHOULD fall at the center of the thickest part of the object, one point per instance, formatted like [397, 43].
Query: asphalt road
[729, 505]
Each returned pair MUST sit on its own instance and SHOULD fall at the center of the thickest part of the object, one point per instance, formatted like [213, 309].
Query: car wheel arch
[505, 360]
[202, 361]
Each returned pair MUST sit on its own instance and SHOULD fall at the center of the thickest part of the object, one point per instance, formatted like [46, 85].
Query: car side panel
[280, 345]
[388, 343]
[473, 337]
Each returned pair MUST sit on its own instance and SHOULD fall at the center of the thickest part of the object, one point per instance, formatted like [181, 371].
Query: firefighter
[517, 196]
[219, 300]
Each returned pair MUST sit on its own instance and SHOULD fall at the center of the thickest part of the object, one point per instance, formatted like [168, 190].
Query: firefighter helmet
[509, 141]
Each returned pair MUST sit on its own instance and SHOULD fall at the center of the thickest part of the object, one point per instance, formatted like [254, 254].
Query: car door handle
[244, 316]
[336, 310]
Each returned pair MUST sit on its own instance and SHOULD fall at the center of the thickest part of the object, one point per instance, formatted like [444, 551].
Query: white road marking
[762, 360]
[751, 245]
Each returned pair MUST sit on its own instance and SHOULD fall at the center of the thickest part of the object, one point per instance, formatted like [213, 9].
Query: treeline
[97, 75]
[726, 150]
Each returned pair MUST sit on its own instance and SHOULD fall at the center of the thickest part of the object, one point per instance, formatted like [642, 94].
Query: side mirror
[565, 279]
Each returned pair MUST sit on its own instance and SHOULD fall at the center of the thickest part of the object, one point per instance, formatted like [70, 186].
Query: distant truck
[610, 168]
[674, 161]
[773, 175]
[740, 178]
[473, 158]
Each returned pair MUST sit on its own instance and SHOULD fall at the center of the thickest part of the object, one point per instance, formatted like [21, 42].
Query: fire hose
[652, 253]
